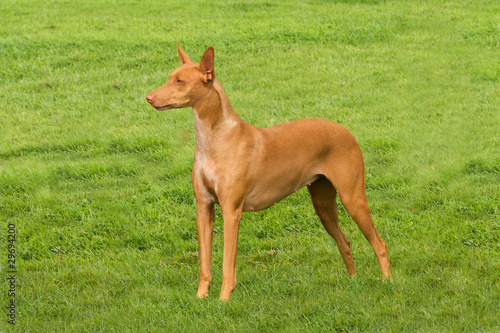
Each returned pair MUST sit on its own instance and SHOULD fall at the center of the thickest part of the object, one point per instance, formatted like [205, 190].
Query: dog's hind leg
[323, 196]
[357, 207]
[353, 195]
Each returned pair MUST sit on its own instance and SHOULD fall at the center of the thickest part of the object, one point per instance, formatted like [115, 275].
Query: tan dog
[244, 168]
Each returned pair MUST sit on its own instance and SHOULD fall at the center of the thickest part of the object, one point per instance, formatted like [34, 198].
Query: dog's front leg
[205, 222]
[231, 217]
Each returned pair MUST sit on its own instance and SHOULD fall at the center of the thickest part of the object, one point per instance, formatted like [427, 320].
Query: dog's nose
[150, 98]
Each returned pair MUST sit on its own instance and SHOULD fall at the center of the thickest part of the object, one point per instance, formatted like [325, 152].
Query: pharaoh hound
[243, 168]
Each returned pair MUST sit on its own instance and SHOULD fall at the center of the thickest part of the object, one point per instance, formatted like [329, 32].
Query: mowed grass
[98, 185]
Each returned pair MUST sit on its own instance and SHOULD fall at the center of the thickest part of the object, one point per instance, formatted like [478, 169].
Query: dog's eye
[179, 81]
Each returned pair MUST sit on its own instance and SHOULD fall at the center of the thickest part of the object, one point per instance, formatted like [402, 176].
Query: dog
[244, 168]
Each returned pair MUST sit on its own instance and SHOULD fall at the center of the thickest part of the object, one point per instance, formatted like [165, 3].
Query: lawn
[95, 184]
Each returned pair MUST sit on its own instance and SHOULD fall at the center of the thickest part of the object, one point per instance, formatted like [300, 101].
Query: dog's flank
[245, 168]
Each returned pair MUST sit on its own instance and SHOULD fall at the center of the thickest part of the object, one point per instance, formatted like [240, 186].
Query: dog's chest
[221, 174]
[208, 173]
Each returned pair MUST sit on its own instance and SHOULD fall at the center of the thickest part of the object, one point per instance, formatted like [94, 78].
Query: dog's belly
[291, 156]
[263, 195]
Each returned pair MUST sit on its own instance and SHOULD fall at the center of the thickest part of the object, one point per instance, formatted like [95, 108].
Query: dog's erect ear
[183, 57]
[207, 65]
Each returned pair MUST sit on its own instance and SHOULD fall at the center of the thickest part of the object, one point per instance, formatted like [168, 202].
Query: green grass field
[97, 183]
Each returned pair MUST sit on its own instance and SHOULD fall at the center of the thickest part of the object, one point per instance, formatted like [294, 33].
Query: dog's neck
[213, 116]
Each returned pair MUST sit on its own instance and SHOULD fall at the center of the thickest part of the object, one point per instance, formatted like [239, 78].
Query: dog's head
[187, 84]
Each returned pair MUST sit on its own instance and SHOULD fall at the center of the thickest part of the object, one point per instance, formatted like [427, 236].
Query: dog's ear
[207, 65]
[183, 57]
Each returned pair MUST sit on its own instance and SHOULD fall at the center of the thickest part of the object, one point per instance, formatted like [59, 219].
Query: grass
[97, 183]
